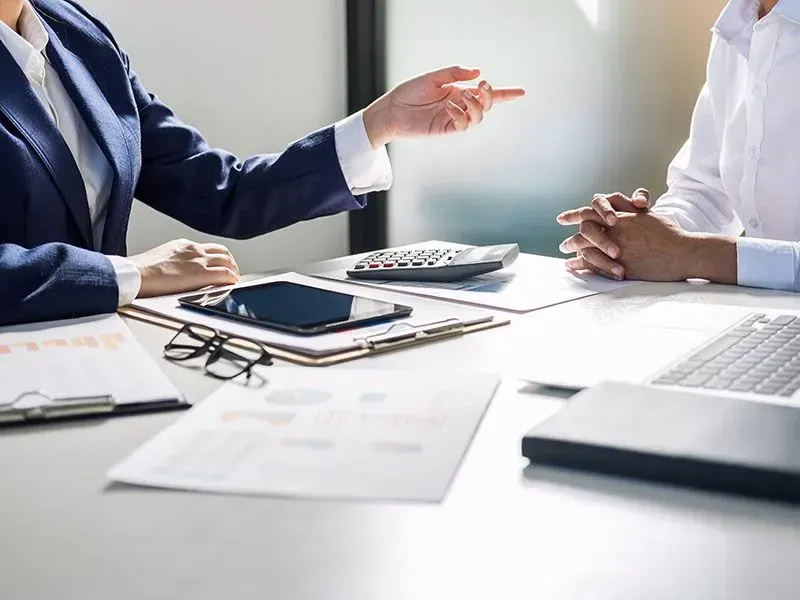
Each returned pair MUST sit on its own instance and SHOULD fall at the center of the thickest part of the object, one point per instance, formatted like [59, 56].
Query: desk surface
[504, 531]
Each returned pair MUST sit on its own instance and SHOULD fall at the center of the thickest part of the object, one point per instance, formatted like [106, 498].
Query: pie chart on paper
[298, 397]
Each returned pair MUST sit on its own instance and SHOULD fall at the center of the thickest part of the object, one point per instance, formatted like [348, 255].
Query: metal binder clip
[405, 333]
[39, 405]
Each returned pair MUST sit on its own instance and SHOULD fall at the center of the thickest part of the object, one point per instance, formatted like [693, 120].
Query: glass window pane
[611, 85]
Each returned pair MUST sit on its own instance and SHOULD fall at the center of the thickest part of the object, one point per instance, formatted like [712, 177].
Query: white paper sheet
[81, 357]
[531, 283]
[425, 311]
[345, 434]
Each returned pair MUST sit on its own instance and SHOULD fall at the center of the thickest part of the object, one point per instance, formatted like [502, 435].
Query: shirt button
[754, 153]
[755, 223]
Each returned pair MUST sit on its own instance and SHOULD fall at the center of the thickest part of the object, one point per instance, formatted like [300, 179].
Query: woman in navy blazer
[51, 263]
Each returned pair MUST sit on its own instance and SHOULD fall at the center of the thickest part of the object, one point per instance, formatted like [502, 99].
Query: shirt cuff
[129, 279]
[766, 263]
[365, 169]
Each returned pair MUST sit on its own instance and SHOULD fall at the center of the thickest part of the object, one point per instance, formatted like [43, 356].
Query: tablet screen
[295, 306]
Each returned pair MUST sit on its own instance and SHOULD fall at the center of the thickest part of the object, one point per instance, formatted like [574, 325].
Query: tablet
[295, 308]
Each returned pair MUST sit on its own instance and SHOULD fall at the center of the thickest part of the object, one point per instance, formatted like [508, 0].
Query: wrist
[712, 257]
[377, 123]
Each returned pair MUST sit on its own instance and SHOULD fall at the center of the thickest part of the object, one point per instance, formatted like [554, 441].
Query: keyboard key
[716, 348]
[769, 388]
[754, 318]
[742, 387]
[668, 379]
[695, 380]
[403, 263]
[784, 320]
[418, 263]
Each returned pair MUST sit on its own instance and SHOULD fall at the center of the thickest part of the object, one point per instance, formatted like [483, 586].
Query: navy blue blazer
[49, 268]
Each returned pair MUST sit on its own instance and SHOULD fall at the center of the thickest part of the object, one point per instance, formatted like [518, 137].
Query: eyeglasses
[228, 357]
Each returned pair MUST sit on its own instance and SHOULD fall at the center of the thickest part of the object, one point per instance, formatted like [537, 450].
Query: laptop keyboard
[760, 355]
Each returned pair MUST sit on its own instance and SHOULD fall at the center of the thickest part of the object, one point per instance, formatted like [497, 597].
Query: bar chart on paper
[106, 341]
[83, 357]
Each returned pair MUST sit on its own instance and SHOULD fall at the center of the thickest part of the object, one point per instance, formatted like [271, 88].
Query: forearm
[749, 262]
[712, 257]
[54, 281]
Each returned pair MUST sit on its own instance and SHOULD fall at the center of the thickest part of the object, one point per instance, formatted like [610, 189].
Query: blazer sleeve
[54, 281]
[214, 191]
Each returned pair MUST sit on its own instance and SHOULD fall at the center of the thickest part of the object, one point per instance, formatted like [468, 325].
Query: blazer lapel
[22, 107]
[102, 122]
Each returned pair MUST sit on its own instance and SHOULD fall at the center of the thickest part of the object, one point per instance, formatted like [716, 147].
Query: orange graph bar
[91, 342]
[5, 350]
[109, 341]
[32, 346]
[78, 343]
[61, 343]
[118, 337]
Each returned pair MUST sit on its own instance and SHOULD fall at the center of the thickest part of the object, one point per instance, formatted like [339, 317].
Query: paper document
[425, 312]
[343, 434]
[531, 283]
[80, 357]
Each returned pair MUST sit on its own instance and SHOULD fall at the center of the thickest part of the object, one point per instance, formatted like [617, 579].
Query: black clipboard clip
[404, 333]
[38, 405]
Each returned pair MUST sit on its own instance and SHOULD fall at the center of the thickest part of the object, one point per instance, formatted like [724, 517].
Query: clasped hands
[620, 238]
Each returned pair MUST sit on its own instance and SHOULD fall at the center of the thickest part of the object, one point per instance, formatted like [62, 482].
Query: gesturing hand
[433, 104]
[183, 266]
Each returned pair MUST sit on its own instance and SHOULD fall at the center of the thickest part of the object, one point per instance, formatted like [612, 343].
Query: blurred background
[611, 87]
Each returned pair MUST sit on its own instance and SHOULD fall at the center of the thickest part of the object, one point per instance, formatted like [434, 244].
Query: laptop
[739, 352]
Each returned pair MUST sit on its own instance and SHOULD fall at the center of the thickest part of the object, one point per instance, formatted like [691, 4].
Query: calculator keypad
[401, 259]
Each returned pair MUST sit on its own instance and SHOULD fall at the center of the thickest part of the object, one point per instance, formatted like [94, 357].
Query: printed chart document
[79, 357]
[531, 283]
[343, 434]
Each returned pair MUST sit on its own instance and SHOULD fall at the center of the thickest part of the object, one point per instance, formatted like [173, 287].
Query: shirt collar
[32, 37]
[739, 16]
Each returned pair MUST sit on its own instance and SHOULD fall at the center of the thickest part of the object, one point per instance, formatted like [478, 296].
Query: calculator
[434, 264]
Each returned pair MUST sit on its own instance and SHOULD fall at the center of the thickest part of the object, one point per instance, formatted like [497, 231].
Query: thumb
[453, 74]
[641, 199]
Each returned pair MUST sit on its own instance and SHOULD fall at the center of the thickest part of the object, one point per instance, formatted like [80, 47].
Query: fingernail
[484, 85]
[466, 94]
[611, 219]
[561, 248]
[617, 271]
[613, 251]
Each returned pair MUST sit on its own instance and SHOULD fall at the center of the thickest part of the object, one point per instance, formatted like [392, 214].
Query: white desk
[501, 533]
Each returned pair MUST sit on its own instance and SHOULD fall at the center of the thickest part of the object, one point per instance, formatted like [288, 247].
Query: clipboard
[91, 367]
[36, 407]
[395, 338]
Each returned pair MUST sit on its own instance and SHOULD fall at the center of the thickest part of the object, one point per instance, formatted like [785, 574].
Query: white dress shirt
[740, 169]
[365, 170]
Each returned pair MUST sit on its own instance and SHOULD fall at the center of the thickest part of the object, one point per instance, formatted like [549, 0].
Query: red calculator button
[388, 265]
[374, 265]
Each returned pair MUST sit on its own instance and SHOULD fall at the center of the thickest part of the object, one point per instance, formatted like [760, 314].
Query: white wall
[252, 75]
